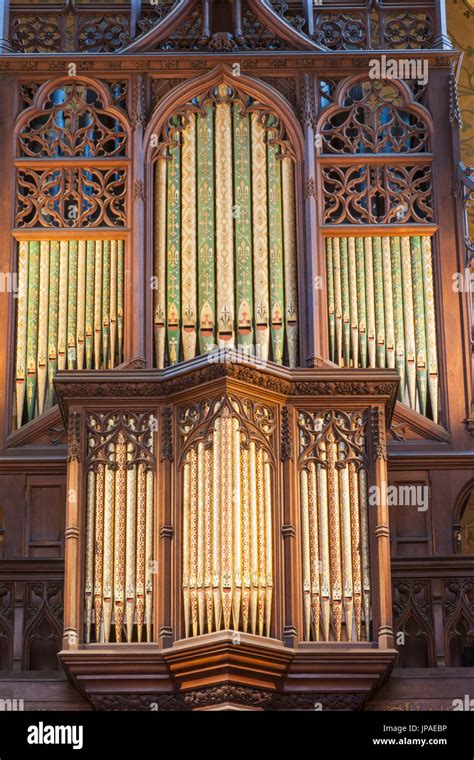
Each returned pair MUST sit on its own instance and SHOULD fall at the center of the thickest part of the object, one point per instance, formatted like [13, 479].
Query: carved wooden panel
[413, 623]
[458, 607]
[43, 625]
[44, 520]
[7, 598]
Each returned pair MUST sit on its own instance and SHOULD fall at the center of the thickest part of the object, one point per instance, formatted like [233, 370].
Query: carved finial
[378, 433]
[167, 436]
[138, 108]
[454, 109]
[285, 449]
[307, 102]
[74, 442]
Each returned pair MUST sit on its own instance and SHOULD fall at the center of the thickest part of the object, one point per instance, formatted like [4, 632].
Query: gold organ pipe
[306, 554]
[364, 536]
[344, 497]
[314, 549]
[324, 543]
[98, 549]
[253, 539]
[261, 541]
[108, 573]
[208, 503]
[188, 244]
[224, 226]
[81, 304]
[186, 522]
[20, 386]
[201, 538]
[334, 533]
[353, 302]
[119, 534]
[268, 546]
[216, 522]
[141, 549]
[237, 522]
[130, 549]
[113, 301]
[42, 370]
[89, 574]
[193, 557]
[369, 283]
[245, 501]
[149, 569]
[355, 531]
[226, 523]
[62, 304]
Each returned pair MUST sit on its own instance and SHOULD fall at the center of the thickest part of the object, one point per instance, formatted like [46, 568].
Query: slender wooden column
[316, 337]
[165, 629]
[291, 589]
[135, 273]
[72, 550]
[382, 531]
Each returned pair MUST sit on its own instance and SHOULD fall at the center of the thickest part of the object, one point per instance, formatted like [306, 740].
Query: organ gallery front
[228, 250]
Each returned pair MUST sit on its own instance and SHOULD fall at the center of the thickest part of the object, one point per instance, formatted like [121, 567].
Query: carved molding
[285, 448]
[378, 433]
[167, 435]
[138, 115]
[74, 442]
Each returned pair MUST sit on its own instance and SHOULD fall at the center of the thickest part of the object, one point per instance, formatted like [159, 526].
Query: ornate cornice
[380, 385]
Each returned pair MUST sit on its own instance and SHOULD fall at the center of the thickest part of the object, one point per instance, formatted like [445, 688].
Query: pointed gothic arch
[286, 138]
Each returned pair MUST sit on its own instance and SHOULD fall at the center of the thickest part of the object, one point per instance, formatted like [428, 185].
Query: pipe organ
[224, 509]
[228, 515]
[334, 523]
[70, 315]
[225, 232]
[119, 527]
[382, 313]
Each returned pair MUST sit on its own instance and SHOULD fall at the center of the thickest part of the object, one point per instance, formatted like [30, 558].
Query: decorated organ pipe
[225, 232]
[69, 315]
[381, 311]
[334, 525]
[227, 516]
[119, 567]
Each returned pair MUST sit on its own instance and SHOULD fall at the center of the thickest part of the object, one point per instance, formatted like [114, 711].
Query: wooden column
[135, 268]
[454, 345]
[382, 531]
[8, 256]
[72, 547]
[315, 344]
[166, 531]
[291, 574]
